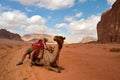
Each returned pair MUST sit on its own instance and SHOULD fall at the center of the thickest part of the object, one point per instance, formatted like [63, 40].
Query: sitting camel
[49, 59]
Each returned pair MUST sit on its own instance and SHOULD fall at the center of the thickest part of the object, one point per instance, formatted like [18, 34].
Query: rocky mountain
[36, 37]
[88, 39]
[108, 28]
[9, 35]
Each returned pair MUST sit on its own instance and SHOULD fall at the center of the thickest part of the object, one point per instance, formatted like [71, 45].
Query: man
[36, 47]
[38, 52]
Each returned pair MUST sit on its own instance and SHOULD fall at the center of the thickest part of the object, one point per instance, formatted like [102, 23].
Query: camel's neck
[58, 48]
[56, 54]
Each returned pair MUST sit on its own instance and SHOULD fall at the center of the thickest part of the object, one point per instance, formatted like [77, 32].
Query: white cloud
[11, 19]
[110, 2]
[36, 19]
[37, 24]
[17, 20]
[78, 14]
[82, 1]
[27, 2]
[4, 8]
[28, 10]
[72, 18]
[62, 25]
[49, 4]
[72, 38]
[81, 28]
[49, 17]
[69, 18]
[84, 26]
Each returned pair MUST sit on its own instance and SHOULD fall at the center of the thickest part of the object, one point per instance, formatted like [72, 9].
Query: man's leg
[22, 59]
[24, 56]
[29, 52]
[32, 57]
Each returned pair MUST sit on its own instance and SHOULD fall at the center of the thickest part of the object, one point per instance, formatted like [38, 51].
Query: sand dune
[80, 62]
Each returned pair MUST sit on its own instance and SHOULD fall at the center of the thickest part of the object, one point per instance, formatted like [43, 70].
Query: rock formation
[88, 39]
[8, 35]
[108, 28]
[35, 37]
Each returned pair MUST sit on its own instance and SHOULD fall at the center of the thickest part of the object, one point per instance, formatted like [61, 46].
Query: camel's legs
[53, 69]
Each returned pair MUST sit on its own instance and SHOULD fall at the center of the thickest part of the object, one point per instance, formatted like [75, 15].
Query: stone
[108, 28]
[8, 35]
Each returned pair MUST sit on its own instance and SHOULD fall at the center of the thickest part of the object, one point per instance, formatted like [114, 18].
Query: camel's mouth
[58, 38]
[54, 39]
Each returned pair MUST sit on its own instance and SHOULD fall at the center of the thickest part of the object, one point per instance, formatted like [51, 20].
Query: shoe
[19, 63]
[31, 64]
[29, 57]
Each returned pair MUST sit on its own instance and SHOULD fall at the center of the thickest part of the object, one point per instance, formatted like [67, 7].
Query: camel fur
[49, 59]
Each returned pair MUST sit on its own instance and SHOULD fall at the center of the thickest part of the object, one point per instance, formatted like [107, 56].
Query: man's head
[45, 39]
[39, 40]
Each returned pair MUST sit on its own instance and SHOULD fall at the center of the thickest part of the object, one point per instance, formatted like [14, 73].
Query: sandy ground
[80, 62]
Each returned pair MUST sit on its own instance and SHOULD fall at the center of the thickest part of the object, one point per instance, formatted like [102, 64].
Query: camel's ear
[63, 37]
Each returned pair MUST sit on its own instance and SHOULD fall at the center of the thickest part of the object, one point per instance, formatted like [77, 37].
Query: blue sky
[73, 19]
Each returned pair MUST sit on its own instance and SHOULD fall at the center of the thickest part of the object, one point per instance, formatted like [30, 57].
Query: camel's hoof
[29, 57]
[58, 71]
[31, 64]
[19, 63]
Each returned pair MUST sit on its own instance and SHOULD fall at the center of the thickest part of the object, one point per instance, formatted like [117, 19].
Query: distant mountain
[9, 35]
[88, 39]
[36, 37]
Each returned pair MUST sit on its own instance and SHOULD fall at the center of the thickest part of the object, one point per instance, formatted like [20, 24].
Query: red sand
[80, 62]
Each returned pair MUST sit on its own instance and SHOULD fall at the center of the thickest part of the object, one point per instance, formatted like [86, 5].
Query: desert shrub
[1, 47]
[115, 50]
[9, 46]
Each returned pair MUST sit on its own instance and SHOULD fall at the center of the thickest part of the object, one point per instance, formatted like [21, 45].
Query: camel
[49, 59]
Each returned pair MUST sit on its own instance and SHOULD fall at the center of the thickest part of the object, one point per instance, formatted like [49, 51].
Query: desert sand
[92, 61]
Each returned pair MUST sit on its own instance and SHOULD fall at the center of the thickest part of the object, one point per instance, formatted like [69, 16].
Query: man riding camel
[37, 48]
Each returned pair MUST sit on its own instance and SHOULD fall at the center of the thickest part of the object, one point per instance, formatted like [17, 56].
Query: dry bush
[115, 50]
[9, 46]
[1, 47]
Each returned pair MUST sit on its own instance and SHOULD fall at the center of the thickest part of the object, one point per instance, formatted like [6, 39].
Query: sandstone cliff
[8, 35]
[36, 37]
[108, 28]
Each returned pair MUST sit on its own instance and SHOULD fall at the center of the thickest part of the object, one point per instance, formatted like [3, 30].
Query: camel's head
[59, 40]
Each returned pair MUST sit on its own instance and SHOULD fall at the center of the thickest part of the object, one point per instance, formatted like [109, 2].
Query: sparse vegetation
[115, 50]
[9, 46]
[2, 47]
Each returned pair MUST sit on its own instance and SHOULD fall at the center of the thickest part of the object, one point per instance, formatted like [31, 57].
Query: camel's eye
[63, 37]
